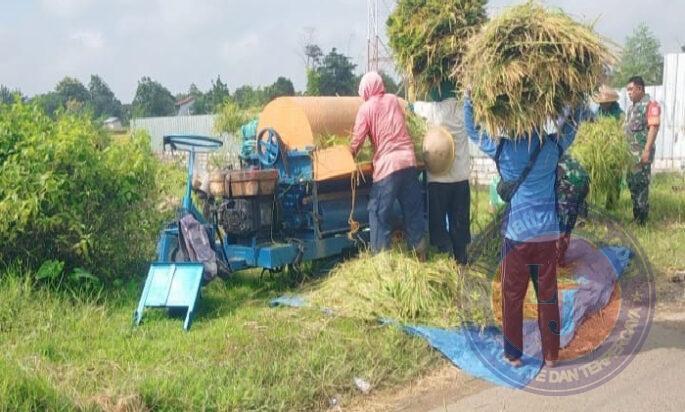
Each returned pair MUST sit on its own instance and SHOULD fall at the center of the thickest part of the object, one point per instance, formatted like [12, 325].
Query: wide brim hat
[438, 150]
[605, 95]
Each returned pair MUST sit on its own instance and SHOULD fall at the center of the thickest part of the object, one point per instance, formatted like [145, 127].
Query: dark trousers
[404, 187]
[522, 261]
[449, 204]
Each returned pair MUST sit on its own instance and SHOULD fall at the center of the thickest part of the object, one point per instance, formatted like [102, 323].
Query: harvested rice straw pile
[396, 286]
[429, 38]
[527, 64]
[601, 147]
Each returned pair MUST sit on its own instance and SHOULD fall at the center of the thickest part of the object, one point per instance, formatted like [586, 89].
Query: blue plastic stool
[172, 286]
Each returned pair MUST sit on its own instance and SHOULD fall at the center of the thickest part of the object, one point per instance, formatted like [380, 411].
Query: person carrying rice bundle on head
[429, 39]
[530, 72]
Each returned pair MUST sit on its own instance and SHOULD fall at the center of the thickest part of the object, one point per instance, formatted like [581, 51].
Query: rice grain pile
[602, 149]
[396, 286]
[429, 38]
[527, 64]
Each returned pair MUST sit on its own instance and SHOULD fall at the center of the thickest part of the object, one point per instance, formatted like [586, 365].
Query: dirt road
[654, 380]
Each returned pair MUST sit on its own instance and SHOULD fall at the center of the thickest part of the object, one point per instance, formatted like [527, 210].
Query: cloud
[246, 42]
[66, 8]
[88, 39]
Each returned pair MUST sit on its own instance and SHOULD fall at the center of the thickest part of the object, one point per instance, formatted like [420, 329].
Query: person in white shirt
[449, 193]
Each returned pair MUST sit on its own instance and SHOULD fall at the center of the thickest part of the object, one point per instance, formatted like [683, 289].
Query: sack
[198, 246]
[506, 189]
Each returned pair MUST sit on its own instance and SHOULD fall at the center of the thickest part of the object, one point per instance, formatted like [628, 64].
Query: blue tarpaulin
[479, 351]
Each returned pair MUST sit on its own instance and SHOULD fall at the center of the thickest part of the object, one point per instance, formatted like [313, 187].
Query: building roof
[186, 100]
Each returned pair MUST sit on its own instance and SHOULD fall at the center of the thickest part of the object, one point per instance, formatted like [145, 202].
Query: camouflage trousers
[571, 203]
[638, 182]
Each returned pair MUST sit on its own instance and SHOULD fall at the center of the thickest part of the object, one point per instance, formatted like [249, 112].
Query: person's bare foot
[516, 363]
[551, 363]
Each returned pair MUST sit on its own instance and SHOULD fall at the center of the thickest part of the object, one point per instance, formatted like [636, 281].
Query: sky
[179, 42]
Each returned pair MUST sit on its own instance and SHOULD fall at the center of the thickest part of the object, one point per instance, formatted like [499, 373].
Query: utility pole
[372, 38]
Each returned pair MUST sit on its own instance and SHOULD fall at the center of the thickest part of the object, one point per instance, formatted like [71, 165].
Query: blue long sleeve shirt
[532, 213]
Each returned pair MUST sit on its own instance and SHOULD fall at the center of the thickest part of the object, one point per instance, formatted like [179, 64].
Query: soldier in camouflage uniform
[573, 185]
[642, 126]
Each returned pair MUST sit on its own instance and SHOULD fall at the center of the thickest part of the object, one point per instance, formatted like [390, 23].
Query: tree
[218, 94]
[313, 56]
[104, 102]
[8, 96]
[69, 94]
[126, 113]
[71, 89]
[200, 105]
[282, 87]
[247, 96]
[209, 102]
[335, 76]
[641, 57]
[313, 83]
[50, 102]
[230, 117]
[152, 99]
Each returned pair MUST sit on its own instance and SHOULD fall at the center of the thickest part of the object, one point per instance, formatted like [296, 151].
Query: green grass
[78, 351]
[240, 354]
[663, 238]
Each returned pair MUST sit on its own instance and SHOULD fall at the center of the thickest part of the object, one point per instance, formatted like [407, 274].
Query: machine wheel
[268, 146]
[176, 254]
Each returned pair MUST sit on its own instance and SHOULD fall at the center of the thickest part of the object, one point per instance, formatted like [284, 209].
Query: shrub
[67, 194]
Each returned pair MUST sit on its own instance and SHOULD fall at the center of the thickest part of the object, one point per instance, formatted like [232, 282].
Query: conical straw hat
[438, 150]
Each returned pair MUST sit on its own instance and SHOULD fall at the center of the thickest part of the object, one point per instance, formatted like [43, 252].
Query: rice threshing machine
[289, 202]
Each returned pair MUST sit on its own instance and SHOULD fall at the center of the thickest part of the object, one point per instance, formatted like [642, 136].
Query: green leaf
[50, 270]
[79, 274]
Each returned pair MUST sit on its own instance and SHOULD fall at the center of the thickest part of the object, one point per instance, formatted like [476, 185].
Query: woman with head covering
[381, 118]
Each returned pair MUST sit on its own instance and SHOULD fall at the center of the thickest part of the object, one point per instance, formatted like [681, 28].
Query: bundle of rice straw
[527, 64]
[602, 149]
[397, 286]
[429, 38]
[416, 126]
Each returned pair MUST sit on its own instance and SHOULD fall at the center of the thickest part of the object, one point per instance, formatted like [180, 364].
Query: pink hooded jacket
[381, 117]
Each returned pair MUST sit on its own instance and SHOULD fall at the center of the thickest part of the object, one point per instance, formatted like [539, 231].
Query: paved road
[654, 381]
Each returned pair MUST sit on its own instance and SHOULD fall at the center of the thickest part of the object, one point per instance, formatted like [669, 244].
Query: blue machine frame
[305, 245]
[319, 230]
[314, 224]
